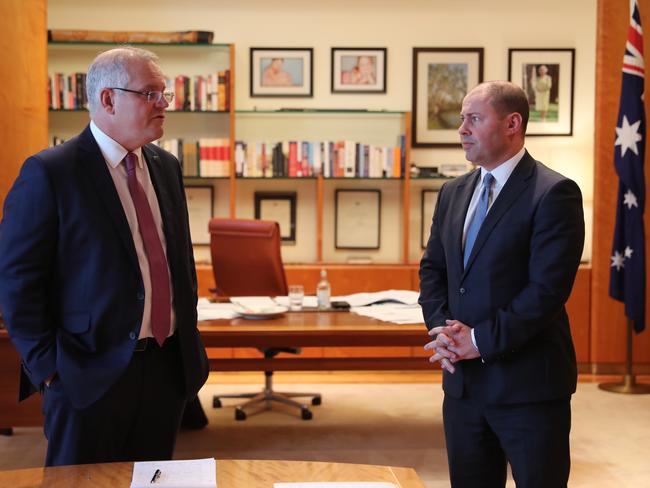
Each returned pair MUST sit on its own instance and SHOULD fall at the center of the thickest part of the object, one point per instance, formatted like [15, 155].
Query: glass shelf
[320, 111]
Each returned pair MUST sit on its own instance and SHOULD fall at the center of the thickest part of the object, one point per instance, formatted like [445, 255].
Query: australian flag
[627, 274]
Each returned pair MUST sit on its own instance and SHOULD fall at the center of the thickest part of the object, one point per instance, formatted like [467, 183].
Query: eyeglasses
[152, 96]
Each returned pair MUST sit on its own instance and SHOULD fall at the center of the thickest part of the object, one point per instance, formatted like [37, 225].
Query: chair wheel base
[240, 414]
[305, 413]
[216, 403]
[316, 400]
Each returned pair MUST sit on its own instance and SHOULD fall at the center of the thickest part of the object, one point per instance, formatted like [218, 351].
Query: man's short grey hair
[110, 69]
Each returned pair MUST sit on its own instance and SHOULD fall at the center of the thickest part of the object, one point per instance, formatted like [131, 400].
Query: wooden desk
[230, 474]
[317, 329]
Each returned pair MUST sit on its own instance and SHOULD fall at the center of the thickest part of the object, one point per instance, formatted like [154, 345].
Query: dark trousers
[532, 437]
[136, 420]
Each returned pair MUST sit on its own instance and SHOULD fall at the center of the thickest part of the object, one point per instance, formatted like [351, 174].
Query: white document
[309, 301]
[207, 310]
[193, 473]
[392, 312]
[255, 304]
[337, 484]
[407, 297]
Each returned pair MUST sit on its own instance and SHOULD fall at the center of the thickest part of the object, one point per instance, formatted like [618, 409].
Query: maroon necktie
[160, 295]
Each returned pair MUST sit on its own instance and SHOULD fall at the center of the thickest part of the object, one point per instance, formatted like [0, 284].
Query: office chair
[246, 261]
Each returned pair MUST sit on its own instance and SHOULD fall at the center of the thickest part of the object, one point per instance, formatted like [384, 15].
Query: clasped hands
[453, 343]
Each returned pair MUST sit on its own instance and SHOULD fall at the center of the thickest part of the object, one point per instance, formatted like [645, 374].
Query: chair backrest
[246, 259]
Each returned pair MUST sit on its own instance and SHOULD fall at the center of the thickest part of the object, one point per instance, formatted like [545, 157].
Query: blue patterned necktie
[479, 215]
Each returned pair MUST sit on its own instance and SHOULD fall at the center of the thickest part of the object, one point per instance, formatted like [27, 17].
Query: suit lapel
[463, 195]
[516, 184]
[93, 162]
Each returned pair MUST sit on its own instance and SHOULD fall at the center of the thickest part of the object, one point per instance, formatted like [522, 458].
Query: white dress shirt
[114, 154]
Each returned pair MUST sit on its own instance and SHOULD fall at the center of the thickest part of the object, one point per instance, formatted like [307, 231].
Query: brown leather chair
[246, 261]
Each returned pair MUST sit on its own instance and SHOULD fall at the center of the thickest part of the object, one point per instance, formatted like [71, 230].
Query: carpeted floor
[395, 424]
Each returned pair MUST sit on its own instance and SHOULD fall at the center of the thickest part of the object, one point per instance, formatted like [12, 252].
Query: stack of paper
[214, 311]
[309, 301]
[254, 304]
[392, 312]
[406, 297]
[193, 473]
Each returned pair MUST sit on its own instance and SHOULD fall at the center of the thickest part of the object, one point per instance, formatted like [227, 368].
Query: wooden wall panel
[23, 98]
[608, 326]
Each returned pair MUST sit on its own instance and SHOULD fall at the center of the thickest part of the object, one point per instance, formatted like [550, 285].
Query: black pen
[155, 476]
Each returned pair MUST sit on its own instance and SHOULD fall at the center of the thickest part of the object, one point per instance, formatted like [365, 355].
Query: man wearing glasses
[97, 277]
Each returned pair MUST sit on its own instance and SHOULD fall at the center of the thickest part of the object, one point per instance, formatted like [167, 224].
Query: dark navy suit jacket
[514, 288]
[71, 290]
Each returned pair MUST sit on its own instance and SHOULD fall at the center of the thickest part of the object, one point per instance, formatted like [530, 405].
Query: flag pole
[629, 384]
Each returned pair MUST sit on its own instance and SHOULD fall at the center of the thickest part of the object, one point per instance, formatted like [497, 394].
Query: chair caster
[240, 414]
[216, 403]
[316, 400]
[305, 413]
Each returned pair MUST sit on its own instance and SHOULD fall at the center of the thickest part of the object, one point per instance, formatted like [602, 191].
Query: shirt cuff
[474, 340]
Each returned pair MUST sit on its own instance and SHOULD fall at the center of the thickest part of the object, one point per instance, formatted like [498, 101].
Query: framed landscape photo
[359, 70]
[279, 207]
[200, 202]
[357, 219]
[281, 72]
[547, 77]
[441, 79]
[429, 200]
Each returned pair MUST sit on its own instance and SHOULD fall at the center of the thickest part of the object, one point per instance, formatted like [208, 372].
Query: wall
[399, 26]
[23, 125]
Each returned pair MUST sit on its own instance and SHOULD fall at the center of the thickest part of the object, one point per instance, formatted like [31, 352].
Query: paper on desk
[213, 311]
[255, 304]
[192, 473]
[337, 484]
[407, 297]
[392, 312]
[309, 301]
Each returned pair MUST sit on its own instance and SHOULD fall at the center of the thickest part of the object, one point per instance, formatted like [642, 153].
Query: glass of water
[296, 295]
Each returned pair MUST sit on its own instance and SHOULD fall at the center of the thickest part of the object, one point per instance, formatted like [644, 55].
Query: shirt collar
[112, 150]
[502, 172]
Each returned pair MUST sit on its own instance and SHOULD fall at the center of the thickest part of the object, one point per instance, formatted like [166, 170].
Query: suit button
[132, 336]
[462, 291]
[140, 295]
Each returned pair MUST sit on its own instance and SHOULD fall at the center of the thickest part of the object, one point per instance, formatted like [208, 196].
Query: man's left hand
[462, 345]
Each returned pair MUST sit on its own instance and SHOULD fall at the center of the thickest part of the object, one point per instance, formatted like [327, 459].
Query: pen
[155, 476]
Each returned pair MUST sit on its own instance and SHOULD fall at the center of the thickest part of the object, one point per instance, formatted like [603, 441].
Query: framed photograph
[357, 219]
[547, 77]
[281, 208]
[441, 79]
[200, 202]
[359, 70]
[429, 199]
[281, 72]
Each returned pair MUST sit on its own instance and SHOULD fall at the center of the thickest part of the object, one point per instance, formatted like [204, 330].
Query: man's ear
[107, 100]
[513, 122]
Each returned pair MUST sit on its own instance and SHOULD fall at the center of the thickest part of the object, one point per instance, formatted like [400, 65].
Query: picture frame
[359, 70]
[547, 75]
[281, 208]
[441, 79]
[357, 219]
[281, 72]
[429, 198]
[200, 205]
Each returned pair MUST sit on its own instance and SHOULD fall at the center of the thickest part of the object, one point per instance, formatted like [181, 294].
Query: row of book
[332, 159]
[207, 157]
[200, 93]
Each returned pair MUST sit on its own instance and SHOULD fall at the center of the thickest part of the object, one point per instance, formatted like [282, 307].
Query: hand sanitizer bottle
[323, 291]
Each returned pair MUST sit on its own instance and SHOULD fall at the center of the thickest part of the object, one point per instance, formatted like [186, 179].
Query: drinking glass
[296, 295]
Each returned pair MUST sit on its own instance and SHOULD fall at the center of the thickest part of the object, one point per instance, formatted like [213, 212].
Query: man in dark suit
[499, 266]
[97, 276]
